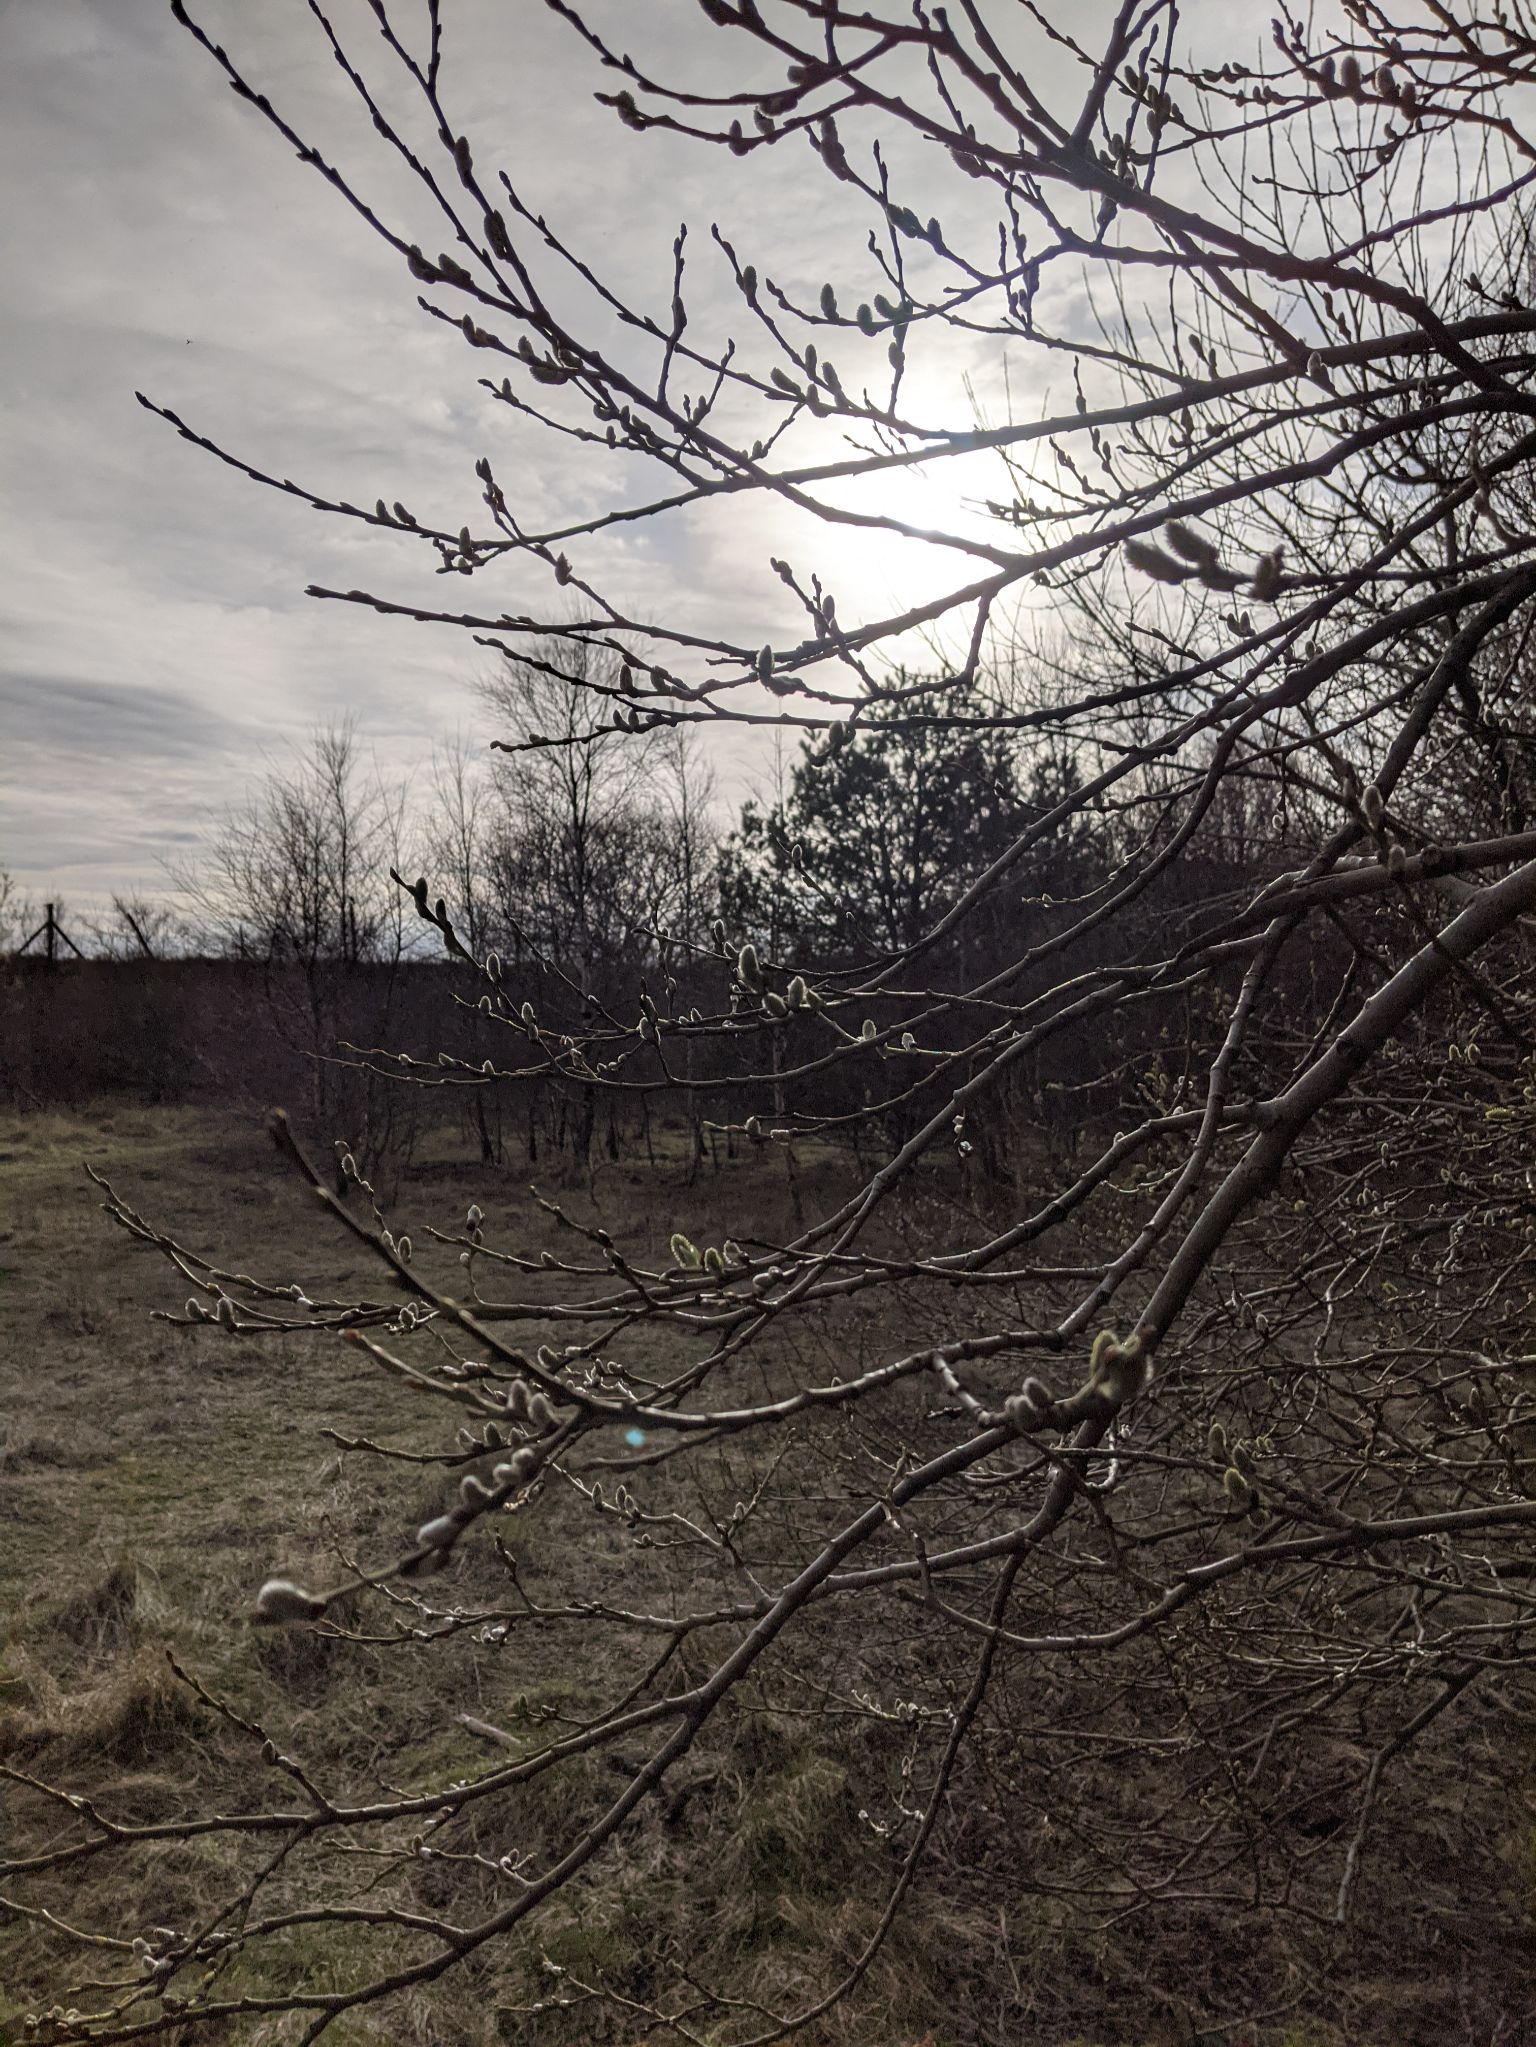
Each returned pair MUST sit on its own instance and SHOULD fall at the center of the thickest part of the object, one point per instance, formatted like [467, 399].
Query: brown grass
[151, 1477]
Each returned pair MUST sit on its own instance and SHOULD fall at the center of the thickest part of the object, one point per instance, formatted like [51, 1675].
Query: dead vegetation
[153, 1477]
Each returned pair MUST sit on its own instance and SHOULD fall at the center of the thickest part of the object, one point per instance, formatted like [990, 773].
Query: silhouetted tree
[887, 823]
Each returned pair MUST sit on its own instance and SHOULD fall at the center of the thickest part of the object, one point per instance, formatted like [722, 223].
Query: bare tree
[296, 880]
[139, 926]
[18, 913]
[1130, 1539]
[459, 838]
[579, 866]
[688, 803]
[299, 870]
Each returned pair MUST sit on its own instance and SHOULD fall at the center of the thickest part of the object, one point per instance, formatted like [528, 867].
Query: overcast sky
[155, 639]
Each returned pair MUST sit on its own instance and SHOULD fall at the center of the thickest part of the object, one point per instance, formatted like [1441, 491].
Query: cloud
[89, 721]
[152, 610]
[105, 782]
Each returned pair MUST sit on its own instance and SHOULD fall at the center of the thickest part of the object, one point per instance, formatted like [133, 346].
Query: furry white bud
[541, 1410]
[281, 1600]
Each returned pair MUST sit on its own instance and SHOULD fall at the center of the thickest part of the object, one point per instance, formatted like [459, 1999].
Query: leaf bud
[1030, 1406]
[281, 1600]
[1238, 1490]
[1152, 561]
[496, 234]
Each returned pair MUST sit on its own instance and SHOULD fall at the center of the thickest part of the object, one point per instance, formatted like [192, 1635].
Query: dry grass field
[152, 1476]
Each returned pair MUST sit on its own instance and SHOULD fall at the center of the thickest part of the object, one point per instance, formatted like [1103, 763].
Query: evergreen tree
[880, 834]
